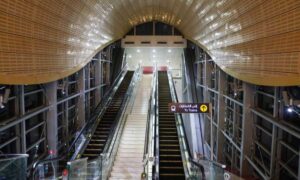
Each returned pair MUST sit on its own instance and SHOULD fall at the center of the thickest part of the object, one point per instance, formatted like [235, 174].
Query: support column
[299, 164]
[22, 124]
[87, 98]
[81, 100]
[278, 156]
[221, 115]
[52, 127]
[98, 77]
[247, 127]
[17, 127]
[274, 133]
[66, 120]
[273, 150]
[207, 132]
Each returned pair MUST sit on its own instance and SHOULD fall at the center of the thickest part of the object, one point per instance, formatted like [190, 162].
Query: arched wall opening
[253, 129]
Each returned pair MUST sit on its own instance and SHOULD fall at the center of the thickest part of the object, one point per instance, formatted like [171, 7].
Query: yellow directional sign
[203, 108]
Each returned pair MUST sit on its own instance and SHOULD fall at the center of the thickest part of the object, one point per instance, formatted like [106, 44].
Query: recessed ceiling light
[138, 50]
[129, 56]
[169, 50]
[154, 56]
[153, 50]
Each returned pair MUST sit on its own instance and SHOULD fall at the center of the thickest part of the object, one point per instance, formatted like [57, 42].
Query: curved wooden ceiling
[44, 40]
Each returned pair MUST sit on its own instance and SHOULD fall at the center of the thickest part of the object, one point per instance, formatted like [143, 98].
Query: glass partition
[13, 166]
[78, 169]
[207, 169]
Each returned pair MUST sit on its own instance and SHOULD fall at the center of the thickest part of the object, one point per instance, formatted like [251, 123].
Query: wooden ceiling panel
[44, 40]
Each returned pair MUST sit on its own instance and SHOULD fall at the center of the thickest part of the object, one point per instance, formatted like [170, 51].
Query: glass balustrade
[13, 166]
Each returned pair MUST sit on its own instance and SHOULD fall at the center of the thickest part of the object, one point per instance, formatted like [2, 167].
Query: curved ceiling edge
[279, 80]
[29, 79]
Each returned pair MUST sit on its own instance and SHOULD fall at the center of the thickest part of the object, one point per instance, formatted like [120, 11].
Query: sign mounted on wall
[189, 107]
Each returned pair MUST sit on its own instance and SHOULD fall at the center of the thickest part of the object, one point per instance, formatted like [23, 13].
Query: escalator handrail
[84, 128]
[200, 166]
[156, 129]
[149, 115]
[147, 127]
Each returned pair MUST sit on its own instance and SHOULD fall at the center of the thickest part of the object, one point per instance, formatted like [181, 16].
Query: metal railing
[150, 127]
[156, 131]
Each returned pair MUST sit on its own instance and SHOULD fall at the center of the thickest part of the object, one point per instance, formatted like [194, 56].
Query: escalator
[100, 136]
[170, 160]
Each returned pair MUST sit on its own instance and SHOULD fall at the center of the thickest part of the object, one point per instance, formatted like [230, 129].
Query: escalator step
[93, 145]
[167, 129]
[90, 155]
[168, 132]
[173, 176]
[166, 124]
[163, 163]
[173, 126]
[172, 138]
[98, 134]
[97, 140]
[171, 169]
[174, 157]
[168, 141]
[102, 129]
[169, 151]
